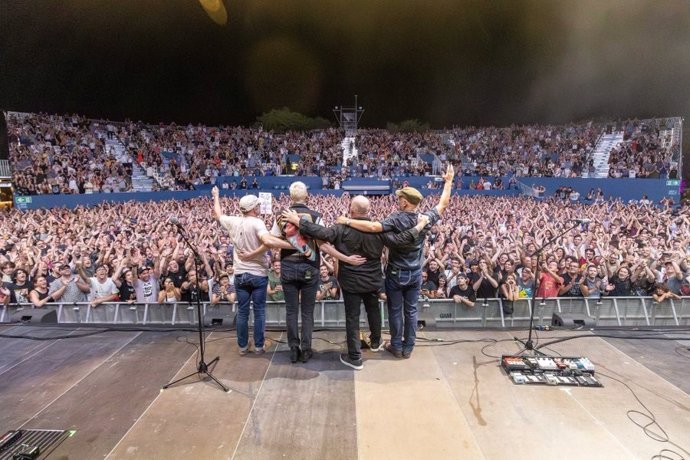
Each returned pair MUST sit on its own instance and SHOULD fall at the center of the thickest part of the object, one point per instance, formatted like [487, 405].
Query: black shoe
[356, 364]
[306, 355]
[394, 351]
[294, 354]
[406, 354]
[376, 346]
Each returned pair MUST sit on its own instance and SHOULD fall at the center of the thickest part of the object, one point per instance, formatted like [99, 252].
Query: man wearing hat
[68, 288]
[146, 287]
[404, 270]
[248, 233]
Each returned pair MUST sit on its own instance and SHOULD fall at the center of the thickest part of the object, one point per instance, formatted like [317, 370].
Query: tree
[408, 126]
[281, 120]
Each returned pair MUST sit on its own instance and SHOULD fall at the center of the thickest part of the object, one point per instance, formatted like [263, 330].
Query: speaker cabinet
[34, 315]
[571, 320]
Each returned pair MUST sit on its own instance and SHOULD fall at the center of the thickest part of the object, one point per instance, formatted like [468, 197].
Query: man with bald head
[359, 283]
[404, 270]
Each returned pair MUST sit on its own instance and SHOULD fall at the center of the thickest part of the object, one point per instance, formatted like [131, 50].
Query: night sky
[443, 62]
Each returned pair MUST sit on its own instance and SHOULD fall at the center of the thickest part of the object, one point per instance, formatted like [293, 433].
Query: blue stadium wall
[625, 189]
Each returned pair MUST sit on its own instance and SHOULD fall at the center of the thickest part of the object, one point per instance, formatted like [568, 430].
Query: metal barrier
[487, 313]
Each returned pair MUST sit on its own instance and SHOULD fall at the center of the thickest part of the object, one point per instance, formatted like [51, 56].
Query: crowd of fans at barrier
[53, 154]
[484, 247]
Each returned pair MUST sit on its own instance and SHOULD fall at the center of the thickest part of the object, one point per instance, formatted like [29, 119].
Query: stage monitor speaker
[217, 316]
[571, 320]
[35, 315]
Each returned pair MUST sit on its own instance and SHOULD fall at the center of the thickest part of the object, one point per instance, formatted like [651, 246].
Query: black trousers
[300, 298]
[353, 303]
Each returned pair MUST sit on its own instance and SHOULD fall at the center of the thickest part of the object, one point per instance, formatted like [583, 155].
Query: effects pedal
[518, 378]
[9, 438]
[26, 452]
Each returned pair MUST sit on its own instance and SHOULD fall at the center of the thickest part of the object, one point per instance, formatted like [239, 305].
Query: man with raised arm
[248, 233]
[359, 283]
[404, 270]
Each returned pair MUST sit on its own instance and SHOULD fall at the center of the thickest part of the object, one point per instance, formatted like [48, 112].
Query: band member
[248, 233]
[299, 273]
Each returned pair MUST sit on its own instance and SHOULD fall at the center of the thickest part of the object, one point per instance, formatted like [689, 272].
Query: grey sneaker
[356, 364]
[244, 351]
[259, 351]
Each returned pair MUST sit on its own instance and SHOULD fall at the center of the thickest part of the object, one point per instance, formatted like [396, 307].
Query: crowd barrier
[487, 313]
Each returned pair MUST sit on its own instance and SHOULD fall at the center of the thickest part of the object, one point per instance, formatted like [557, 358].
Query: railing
[5, 169]
[487, 313]
[589, 155]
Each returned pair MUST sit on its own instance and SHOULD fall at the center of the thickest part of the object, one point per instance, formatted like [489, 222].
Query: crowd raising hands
[625, 249]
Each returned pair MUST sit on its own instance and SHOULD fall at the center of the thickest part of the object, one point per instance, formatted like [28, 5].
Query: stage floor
[449, 401]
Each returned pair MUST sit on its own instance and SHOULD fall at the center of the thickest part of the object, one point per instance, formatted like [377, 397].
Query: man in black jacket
[359, 283]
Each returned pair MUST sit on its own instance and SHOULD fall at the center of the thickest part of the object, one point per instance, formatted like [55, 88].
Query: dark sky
[443, 62]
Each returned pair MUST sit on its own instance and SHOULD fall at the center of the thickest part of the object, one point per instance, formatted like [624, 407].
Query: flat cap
[411, 194]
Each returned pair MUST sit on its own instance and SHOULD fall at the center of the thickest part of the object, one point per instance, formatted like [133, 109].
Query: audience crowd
[67, 154]
[644, 152]
[484, 247]
[52, 154]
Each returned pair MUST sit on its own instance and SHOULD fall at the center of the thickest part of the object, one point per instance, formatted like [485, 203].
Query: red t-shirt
[548, 286]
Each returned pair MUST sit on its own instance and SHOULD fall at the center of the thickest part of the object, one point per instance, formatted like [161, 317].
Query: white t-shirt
[99, 290]
[245, 234]
[147, 291]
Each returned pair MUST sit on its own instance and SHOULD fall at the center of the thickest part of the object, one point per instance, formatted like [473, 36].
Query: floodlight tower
[348, 119]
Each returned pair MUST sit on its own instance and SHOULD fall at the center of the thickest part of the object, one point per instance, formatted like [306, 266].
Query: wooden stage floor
[449, 401]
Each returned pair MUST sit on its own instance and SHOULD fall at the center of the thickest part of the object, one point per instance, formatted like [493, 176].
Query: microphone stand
[529, 345]
[202, 366]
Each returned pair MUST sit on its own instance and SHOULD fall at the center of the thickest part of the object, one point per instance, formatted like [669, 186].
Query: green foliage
[408, 126]
[281, 120]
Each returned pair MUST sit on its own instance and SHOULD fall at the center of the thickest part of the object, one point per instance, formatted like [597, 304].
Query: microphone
[581, 221]
[175, 221]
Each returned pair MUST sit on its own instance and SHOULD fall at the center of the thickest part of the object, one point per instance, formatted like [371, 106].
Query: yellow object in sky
[215, 10]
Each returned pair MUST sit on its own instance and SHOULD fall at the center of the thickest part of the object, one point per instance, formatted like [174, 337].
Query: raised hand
[214, 192]
[449, 174]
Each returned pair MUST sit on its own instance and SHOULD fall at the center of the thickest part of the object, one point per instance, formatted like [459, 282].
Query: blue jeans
[251, 287]
[402, 294]
[300, 298]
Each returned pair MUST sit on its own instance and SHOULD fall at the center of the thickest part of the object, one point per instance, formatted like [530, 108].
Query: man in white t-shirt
[250, 238]
[102, 288]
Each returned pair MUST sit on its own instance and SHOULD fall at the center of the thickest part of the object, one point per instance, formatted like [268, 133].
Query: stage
[449, 401]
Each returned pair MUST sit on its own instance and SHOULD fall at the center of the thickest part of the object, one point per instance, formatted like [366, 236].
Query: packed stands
[53, 154]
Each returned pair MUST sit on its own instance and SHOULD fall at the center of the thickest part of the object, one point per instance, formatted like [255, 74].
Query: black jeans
[300, 297]
[352, 310]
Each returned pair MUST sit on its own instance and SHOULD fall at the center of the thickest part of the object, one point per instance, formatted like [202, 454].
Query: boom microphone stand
[202, 366]
[529, 345]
